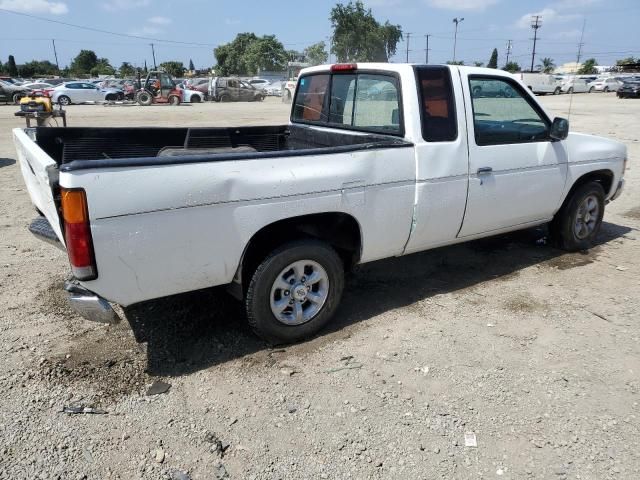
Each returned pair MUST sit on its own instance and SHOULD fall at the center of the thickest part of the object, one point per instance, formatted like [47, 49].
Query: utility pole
[153, 52]
[426, 50]
[408, 39]
[55, 54]
[536, 23]
[509, 44]
[455, 36]
[581, 44]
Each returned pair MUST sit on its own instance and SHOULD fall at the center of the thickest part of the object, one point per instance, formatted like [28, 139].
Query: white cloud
[462, 4]
[549, 15]
[145, 31]
[117, 5]
[159, 20]
[35, 6]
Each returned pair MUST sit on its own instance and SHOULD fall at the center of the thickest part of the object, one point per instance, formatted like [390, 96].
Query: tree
[84, 62]
[493, 61]
[588, 67]
[512, 67]
[126, 70]
[248, 54]
[478, 64]
[546, 65]
[191, 67]
[12, 70]
[624, 64]
[102, 67]
[358, 37]
[173, 68]
[37, 67]
[457, 62]
[316, 54]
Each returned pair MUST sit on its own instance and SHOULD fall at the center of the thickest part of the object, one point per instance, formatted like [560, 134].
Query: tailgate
[40, 173]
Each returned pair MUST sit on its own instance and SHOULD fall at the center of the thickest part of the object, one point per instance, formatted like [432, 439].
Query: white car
[258, 82]
[540, 83]
[574, 85]
[192, 96]
[278, 214]
[81, 92]
[609, 84]
[274, 89]
[37, 86]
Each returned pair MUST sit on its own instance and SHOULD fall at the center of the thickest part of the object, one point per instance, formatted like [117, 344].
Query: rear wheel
[144, 98]
[557, 91]
[64, 100]
[225, 98]
[17, 97]
[174, 100]
[570, 91]
[295, 291]
[195, 99]
[111, 97]
[606, 89]
[578, 222]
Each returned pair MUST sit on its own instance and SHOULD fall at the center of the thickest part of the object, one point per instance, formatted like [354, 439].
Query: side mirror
[559, 129]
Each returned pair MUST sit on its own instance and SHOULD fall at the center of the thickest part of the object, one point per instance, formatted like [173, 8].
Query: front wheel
[295, 291]
[557, 91]
[591, 89]
[174, 100]
[64, 100]
[144, 98]
[606, 89]
[570, 91]
[578, 222]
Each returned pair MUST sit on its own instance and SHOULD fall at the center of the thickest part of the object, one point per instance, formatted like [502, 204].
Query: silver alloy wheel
[587, 217]
[299, 292]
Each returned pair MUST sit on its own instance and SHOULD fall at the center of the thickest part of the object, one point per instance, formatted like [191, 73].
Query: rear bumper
[89, 305]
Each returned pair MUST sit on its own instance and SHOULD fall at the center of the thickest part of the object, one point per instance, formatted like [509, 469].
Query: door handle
[484, 170]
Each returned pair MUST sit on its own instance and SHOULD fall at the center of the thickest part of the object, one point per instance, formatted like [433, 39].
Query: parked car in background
[231, 89]
[630, 89]
[10, 92]
[259, 82]
[540, 83]
[274, 89]
[37, 85]
[608, 84]
[199, 84]
[11, 80]
[575, 85]
[191, 96]
[81, 92]
[486, 89]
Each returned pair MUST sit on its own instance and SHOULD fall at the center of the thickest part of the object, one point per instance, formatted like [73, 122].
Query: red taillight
[77, 234]
[344, 67]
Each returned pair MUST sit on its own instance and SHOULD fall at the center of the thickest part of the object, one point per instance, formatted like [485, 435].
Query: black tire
[144, 98]
[195, 98]
[111, 97]
[258, 298]
[570, 91]
[563, 225]
[606, 89]
[174, 100]
[591, 89]
[476, 91]
[557, 91]
[17, 97]
[225, 98]
[64, 100]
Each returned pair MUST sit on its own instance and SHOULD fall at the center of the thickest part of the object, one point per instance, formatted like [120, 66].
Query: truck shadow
[5, 162]
[190, 332]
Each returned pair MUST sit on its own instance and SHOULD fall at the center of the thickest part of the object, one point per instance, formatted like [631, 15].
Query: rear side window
[358, 101]
[439, 123]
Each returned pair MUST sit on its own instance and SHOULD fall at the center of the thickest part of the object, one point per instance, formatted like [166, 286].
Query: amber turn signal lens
[74, 206]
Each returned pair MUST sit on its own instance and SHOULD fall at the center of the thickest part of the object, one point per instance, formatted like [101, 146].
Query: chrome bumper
[618, 191]
[89, 305]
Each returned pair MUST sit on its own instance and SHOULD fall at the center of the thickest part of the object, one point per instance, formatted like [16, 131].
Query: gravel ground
[532, 350]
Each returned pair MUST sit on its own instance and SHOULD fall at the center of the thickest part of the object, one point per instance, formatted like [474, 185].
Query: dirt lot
[534, 350]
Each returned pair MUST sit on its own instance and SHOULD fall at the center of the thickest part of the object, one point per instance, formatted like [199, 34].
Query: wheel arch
[341, 230]
[605, 177]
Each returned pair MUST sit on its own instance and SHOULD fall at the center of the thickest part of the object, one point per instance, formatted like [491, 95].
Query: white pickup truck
[378, 160]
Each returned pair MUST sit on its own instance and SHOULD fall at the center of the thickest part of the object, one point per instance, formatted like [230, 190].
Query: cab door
[516, 172]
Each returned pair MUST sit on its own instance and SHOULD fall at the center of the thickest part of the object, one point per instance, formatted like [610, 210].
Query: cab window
[504, 114]
[358, 101]
[438, 114]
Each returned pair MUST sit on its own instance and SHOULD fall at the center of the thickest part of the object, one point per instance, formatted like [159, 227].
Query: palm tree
[547, 65]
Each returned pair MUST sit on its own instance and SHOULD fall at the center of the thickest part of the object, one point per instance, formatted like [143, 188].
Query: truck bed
[83, 147]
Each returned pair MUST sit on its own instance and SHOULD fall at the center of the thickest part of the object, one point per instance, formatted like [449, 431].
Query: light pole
[455, 36]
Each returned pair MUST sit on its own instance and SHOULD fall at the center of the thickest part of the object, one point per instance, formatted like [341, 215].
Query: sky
[610, 28]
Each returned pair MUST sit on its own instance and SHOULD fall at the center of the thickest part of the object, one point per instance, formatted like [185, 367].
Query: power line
[99, 30]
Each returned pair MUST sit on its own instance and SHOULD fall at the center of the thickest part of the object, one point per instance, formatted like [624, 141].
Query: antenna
[426, 50]
[580, 45]
[408, 39]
